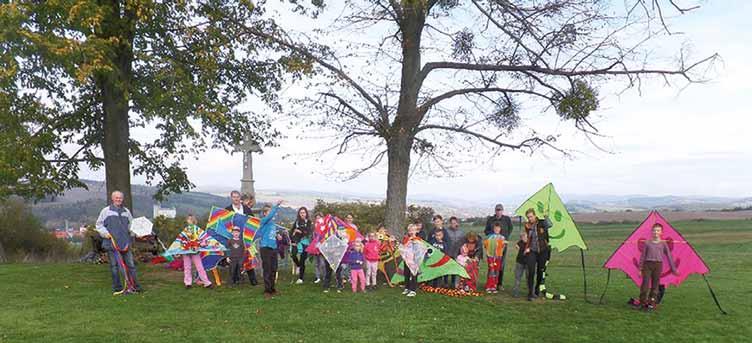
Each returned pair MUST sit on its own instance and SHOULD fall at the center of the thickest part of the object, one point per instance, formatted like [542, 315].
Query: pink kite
[627, 257]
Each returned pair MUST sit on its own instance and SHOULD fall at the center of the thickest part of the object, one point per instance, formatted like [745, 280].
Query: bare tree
[489, 61]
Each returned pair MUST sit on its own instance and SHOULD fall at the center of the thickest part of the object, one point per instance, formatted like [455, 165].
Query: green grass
[72, 303]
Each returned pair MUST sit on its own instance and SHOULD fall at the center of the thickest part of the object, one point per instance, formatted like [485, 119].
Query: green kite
[564, 233]
[435, 264]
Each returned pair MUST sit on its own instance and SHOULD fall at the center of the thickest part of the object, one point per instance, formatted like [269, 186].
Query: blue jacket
[115, 221]
[267, 231]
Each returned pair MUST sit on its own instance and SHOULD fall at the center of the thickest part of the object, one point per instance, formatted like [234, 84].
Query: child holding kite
[189, 243]
[437, 241]
[237, 255]
[411, 279]
[651, 266]
[356, 260]
[494, 248]
[473, 251]
[372, 256]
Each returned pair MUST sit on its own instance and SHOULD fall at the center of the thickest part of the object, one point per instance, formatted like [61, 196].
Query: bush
[368, 216]
[24, 239]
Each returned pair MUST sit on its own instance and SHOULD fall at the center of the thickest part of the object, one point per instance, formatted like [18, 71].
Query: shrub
[24, 239]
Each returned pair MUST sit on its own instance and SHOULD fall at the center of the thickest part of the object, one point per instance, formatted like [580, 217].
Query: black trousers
[269, 260]
[236, 266]
[328, 276]
[299, 262]
[411, 282]
[536, 266]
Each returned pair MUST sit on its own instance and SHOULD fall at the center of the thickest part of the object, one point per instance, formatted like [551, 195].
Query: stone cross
[247, 147]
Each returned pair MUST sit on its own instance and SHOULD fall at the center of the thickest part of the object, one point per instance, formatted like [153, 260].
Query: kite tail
[608, 279]
[129, 285]
[542, 288]
[713, 295]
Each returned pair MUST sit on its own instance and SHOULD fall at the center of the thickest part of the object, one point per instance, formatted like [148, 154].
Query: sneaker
[317, 280]
[210, 286]
[405, 291]
[488, 291]
[267, 295]
[326, 290]
[339, 290]
[411, 294]
[299, 282]
[495, 291]
[188, 286]
[530, 298]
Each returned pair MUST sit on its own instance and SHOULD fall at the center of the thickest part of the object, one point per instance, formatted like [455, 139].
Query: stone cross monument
[247, 147]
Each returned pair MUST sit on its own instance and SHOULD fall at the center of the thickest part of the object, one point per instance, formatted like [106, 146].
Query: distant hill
[81, 206]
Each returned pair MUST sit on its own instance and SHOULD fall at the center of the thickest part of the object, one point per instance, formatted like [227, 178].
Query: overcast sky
[665, 141]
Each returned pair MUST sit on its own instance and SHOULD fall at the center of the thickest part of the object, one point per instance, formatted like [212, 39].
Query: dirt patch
[616, 217]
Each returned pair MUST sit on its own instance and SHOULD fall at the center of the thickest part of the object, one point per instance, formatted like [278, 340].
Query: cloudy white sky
[664, 141]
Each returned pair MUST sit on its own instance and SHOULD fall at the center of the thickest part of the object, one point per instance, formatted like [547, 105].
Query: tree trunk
[399, 148]
[402, 130]
[114, 89]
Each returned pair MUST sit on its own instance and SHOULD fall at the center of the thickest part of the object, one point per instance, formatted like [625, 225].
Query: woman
[299, 237]
[537, 251]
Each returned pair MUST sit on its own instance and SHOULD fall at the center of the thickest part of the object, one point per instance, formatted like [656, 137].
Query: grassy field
[72, 303]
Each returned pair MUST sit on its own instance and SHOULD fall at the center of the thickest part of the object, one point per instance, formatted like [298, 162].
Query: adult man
[238, 206]
[506, 231]
[114, 224]
[454, 237]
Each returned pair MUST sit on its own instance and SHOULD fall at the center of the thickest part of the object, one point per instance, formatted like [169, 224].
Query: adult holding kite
[506, 231]
[537, 251]
[240, 206]
[114, 224]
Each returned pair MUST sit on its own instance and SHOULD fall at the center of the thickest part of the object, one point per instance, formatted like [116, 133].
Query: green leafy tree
[77, 75]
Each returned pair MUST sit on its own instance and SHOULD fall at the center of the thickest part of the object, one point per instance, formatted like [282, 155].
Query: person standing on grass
[454, 239]
[474, 248]
[314, 251]
[506, 231]
[411, 279]
[242, 204]
[372, 256]
[537, 251]
[299, 239]
[356, 260]
[651, 266]
[268, 241]
[521, 265]
[114, 225]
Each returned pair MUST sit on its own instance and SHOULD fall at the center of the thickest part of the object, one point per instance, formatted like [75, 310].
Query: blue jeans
[127, 256]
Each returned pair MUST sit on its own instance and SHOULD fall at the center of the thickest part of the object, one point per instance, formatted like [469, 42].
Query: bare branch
[433, 101]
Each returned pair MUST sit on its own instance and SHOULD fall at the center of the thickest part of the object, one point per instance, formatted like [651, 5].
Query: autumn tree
[76, 76]
[422, 84]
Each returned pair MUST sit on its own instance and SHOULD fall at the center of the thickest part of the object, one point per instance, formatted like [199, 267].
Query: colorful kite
[221, 221]
[333, 249]
[435, 264]
[546, 202]
[413, 252]
[193, 240]
[627, 257]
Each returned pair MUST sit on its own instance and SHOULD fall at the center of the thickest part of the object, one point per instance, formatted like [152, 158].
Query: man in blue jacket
[114, 225]
[268, 236]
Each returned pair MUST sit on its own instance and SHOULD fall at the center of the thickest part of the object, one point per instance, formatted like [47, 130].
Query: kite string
[713, 295]
[608, 280]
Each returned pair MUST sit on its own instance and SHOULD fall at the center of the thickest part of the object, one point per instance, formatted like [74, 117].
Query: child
[371, 252]
[193, 238]
[237, 255]
[356, 262]
[474, 252]
[268, 242]
[651, 265]
[494, 248]
[411, 279]
[437, 241]
[438, 225]
[337, 273]
[520, 266]
[462, 259]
